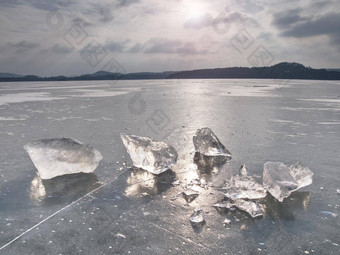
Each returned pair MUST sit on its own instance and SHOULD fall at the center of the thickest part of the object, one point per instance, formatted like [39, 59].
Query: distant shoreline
[283, 70]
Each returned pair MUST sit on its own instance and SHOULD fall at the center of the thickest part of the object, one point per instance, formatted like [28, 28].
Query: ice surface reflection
[141, 182]
[62, 189]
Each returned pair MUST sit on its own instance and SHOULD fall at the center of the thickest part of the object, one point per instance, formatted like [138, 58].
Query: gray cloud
[20, 47]
[224, 18]
[114, 46]
[287, 18]
[167, 46]
[327, 24]
[138, 47]
[60, 49]
[122, 3]
[38, 4]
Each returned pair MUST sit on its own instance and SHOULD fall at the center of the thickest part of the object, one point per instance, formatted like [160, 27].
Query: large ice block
[207, 143]
[60, 156]
[281, 180]
[153, 156]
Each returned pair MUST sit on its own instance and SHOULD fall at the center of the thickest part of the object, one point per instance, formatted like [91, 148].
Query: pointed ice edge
[149, 154]
[243, 186]
[254, 209]
[280, 180]
[207, 143]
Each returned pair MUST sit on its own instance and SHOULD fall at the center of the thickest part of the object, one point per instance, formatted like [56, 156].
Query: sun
[194, 11]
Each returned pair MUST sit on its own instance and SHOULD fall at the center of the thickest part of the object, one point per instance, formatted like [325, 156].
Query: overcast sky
[66, 37]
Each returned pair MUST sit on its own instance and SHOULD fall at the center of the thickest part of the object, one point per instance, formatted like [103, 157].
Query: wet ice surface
[119, 209]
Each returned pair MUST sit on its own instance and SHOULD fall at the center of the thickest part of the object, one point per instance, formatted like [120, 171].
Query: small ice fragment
[252, 208]
[207, 143]
[327, 213]
[60, 156]
[153, 156]
[243, 170]
[195, 182]
[190, 195]
[226, 222]
[224, 205]
[121, 235]
[281, 180]
[197, 218]
[243, 186]
[176, 183]
[338, 191]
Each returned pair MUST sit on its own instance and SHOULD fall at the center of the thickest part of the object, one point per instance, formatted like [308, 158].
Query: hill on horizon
[284, 70]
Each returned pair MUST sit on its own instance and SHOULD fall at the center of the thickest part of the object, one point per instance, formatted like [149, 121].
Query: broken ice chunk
[243, 186]
[243, 170]
[254, 209]
[281, 180]
[302, 175]
[338, 191]
[190, 195]
[224, 205]
[226, 222]
[207, 143]
[155, 157]
[60, 156]
[197, 218]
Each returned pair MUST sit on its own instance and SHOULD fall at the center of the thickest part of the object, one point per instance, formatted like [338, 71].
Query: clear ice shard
[207, 143]
[197, 218]
[153, 156]
[190, 195]
[243, 186]
[254, 209]
[281, 180]
[61, 156]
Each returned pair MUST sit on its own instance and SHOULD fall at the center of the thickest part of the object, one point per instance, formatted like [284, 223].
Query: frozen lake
[118, 210]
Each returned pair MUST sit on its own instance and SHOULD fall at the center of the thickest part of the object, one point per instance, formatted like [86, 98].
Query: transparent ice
[254, 209]
[190, 195]
[197, 217]
[153, 156]
[207, 143]
[243, 186]
[281, 180]
[60, 156]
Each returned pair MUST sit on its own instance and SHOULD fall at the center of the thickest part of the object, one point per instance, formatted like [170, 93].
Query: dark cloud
[287, 18]
[20, 47]
[122, 3]
[327, 24]
[166, 46]
[81, 22]
[60, 49]
[116, 46]
[138, 47]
